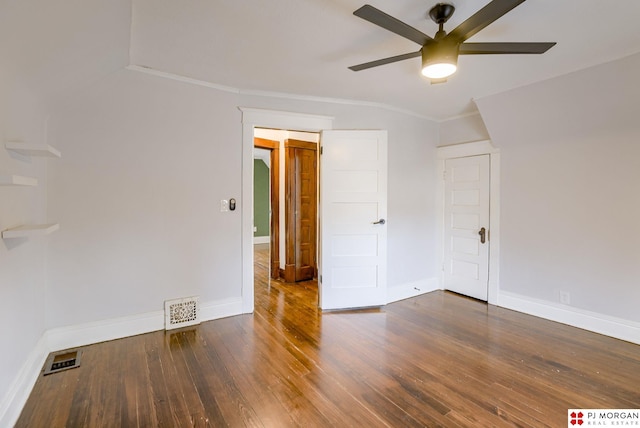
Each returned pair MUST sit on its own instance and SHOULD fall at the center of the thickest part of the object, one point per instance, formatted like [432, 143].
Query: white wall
[49, 50]
[463, 129]
[147, 160]
[570, 188]
[22, 260]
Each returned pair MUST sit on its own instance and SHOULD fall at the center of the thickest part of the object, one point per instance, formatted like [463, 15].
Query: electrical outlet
[565, 297]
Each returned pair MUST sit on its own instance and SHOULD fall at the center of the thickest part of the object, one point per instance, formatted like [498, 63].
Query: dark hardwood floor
[436, 360]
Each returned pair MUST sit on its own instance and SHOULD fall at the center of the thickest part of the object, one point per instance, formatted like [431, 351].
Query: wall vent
[63, 360]
[181, 313]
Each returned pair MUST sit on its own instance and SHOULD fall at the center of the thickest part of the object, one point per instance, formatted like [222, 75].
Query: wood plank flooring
[436, 360]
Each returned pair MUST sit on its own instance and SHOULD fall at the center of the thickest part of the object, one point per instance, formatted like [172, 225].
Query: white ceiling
[304, 47]
[56, 48]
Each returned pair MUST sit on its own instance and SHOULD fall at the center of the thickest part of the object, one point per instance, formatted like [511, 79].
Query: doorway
[336, 266]
[466, 226]
[469, 200]
[292, 235]
[251, 119]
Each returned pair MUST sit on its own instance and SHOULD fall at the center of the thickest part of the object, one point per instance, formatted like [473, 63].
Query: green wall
[260, 198]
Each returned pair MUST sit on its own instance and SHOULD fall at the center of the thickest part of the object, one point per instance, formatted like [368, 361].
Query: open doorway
[286, 199]
[253, 119]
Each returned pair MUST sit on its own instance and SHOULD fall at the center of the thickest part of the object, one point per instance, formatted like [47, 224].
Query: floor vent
[63, 360]
[181, 313]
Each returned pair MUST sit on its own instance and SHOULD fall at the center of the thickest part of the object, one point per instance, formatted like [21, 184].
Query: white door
[353, 207]
[466, 226]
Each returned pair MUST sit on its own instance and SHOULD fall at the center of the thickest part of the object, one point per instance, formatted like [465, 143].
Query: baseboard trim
[603, 324]
[412, 289]
[86, 334]
[101, 331]
[18, 393]
[261, 239]
[220, 309]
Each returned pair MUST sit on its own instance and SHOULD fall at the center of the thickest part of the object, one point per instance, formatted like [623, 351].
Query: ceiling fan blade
[482, 18]
[505, 48]
[385, 61]
[388, 22]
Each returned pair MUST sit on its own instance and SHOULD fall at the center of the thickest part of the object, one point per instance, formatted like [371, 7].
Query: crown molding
[274, 94]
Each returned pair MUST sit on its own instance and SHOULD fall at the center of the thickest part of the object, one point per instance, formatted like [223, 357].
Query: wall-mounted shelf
[30, 230]
[17, 180]
[33, 149]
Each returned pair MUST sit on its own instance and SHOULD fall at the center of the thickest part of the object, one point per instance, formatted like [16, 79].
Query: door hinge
[321, 149]
[444, 175]
[321, 278]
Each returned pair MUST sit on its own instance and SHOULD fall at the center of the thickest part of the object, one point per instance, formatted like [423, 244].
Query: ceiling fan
[440, 53]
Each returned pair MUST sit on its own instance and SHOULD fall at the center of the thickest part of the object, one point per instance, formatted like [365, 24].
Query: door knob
[482, 234]
[381, 221]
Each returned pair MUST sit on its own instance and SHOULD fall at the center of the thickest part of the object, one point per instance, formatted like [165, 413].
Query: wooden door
[353, 200]
[301, 210]
[466, 226]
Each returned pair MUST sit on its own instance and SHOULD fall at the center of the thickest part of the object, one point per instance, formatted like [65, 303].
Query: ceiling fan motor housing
[443, 51]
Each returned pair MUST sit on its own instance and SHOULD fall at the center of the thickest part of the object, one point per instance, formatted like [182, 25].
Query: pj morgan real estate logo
[603, 418]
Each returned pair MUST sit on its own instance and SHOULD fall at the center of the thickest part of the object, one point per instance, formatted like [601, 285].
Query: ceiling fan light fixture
[439, 60]
[439, 70]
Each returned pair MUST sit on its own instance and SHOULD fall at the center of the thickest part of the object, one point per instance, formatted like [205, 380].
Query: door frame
[274, 202]
[484, 147]
[259, 118]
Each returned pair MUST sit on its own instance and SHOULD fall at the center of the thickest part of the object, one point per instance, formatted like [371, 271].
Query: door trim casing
[484, 147]
[261, 118]
[274, 199]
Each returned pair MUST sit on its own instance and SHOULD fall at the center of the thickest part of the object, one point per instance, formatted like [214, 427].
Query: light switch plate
[224, 205]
